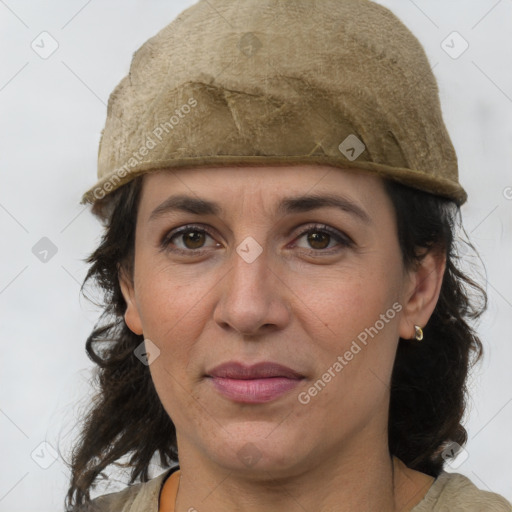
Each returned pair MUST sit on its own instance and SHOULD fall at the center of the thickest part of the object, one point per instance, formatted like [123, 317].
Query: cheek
[344, 303]
[355, 346]
[356, 318]
[167, 296]
[173, 317]
[172, 309]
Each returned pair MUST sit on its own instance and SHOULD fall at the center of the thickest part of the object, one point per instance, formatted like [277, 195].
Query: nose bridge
[251, 296]
[250, 264]
[249, 276]
[250, 258]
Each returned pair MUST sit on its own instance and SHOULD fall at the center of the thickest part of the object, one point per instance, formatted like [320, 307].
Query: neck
[384, 484]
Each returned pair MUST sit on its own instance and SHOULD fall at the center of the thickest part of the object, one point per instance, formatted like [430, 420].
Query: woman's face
[295, 266]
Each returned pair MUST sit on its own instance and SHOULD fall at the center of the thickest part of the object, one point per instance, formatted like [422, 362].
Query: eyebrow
[310, 202]
[286, 206]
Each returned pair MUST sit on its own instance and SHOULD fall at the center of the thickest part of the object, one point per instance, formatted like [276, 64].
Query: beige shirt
[451, 492]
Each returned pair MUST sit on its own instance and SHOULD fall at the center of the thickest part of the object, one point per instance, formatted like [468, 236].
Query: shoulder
[455, 492]
[141, 497]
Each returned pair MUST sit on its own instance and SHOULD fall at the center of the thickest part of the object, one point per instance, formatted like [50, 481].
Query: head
[246, 123]
[334, 295]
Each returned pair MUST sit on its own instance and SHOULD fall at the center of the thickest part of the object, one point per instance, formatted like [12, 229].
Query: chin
[259, 452]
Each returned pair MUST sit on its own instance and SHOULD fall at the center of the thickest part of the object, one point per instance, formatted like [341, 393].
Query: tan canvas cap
[255, 82]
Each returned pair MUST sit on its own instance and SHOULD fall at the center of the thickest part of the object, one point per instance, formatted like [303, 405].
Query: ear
[422, 290]
[131, 315]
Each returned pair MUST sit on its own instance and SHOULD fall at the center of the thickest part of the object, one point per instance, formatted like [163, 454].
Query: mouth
[259, 383]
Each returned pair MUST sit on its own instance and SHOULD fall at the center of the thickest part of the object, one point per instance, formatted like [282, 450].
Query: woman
[285, 322]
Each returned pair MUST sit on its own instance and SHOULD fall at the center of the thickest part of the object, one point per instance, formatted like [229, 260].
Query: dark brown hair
[428, 385]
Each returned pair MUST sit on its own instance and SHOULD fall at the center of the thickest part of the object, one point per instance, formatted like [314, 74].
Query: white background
[52, 114]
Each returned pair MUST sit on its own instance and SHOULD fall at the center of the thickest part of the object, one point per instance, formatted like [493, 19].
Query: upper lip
[263, 370]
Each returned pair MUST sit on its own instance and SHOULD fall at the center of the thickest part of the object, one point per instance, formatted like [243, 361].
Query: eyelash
[342, 239]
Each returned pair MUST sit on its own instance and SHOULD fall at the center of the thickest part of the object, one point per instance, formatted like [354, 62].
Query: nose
[253, 299]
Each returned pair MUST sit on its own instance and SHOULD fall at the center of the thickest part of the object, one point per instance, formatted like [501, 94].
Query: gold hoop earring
[418, 333]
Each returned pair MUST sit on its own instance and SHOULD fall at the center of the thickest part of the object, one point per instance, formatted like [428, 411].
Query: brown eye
[193, 239]
[319, 240]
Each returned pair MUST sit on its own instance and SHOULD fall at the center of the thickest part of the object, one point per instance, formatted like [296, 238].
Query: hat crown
[273, 82]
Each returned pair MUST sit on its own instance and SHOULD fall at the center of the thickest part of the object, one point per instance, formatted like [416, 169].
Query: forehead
[273, 181]
[264, 187]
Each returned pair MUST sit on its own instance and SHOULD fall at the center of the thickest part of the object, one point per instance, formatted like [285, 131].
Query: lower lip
[254, 391]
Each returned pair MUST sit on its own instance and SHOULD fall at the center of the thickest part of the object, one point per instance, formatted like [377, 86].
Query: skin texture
[300, 303]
